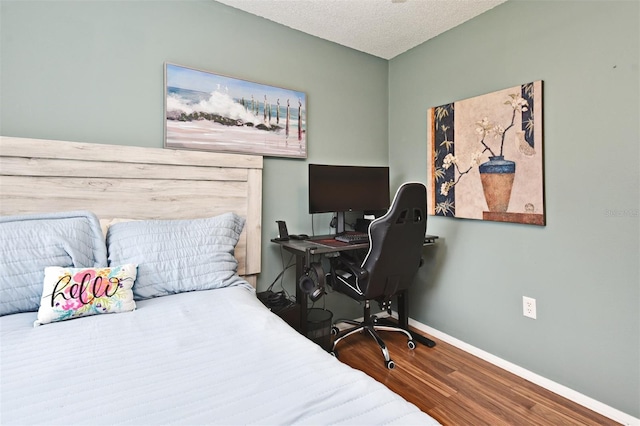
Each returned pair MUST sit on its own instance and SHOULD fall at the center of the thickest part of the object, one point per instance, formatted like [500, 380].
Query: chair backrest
[396, 243]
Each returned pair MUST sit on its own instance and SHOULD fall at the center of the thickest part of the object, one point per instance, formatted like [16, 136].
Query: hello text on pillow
[78, 292]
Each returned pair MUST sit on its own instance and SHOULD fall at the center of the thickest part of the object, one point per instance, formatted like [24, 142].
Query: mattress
[203, 357]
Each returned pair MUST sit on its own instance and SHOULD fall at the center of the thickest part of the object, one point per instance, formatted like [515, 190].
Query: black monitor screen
[348, 188]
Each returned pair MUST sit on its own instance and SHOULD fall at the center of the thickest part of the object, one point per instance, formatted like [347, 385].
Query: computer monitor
[340, 189]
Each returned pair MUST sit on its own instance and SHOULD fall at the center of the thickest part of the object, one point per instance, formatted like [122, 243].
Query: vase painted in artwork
[497, 176]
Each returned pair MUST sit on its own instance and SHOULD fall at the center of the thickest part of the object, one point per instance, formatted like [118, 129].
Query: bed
[184, 339]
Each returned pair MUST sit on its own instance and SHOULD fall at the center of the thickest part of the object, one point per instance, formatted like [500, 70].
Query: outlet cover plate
[529, 307]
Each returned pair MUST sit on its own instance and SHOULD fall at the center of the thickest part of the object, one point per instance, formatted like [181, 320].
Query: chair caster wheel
[390, 364]
[334, 330]
[411, 344]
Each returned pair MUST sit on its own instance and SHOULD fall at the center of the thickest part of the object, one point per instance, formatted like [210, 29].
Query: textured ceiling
[383, 28]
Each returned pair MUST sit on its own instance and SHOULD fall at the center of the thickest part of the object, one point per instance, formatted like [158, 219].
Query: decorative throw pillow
[77, 292]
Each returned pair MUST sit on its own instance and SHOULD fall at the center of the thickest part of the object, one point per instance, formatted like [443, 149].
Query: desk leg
[403, 310]
[403, 319]
[301, 297]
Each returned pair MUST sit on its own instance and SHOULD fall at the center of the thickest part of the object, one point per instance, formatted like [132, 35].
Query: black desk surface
[320, 244]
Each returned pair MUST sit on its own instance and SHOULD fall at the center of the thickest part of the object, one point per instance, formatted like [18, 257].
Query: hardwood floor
[457, 388]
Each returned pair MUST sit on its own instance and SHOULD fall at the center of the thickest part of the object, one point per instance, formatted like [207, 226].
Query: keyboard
[353, 238]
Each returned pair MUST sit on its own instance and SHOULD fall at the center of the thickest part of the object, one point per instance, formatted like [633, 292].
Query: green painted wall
[583, 267]
[93, 71]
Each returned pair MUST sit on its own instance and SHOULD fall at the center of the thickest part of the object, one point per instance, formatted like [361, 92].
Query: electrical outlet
[529, 307]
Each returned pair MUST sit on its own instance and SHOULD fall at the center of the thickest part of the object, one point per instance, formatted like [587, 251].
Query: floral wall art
[212, 112]
[486, 157]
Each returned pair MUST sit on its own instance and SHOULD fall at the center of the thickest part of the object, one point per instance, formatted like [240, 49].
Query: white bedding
[205, 357]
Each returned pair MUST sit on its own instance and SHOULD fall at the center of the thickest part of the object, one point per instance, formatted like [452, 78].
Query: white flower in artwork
[498, 131]
[484, 126]
[476, 158]
[448, 160]
[518, 103]
[445, 187]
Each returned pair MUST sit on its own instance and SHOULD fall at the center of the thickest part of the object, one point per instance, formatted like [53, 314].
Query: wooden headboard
[114, 181]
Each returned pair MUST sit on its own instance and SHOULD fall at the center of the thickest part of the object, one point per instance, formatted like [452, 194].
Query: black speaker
[312, 282]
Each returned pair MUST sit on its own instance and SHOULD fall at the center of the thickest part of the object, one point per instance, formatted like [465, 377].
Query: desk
[305, 249]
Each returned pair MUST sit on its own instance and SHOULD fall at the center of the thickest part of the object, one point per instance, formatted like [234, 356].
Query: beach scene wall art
[486, 158]
[211, 112]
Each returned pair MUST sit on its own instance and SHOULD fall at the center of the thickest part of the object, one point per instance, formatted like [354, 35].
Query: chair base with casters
[372, 325]
[389, 267]
[416, 337]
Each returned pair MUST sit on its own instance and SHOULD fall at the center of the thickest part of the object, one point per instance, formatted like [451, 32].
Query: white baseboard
[554, 387]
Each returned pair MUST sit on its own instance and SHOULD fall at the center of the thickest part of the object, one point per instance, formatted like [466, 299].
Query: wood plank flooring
[457, 388]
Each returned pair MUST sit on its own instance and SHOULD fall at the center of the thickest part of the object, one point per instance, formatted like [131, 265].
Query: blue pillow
[30, 243]
[174, 256]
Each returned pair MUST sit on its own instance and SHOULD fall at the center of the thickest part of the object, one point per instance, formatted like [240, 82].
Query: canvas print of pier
[211, 112]
[486, 157]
